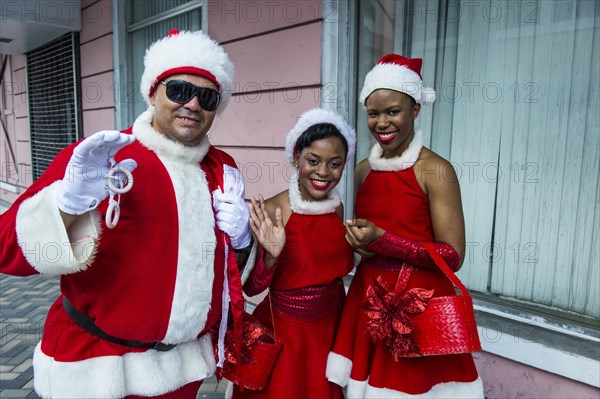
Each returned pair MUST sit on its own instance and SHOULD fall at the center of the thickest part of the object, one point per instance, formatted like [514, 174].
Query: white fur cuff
[45, 242]
[338, 369]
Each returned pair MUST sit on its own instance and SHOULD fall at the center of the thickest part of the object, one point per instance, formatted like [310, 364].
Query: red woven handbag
[419, 324]
[448, 325]
[260, 348]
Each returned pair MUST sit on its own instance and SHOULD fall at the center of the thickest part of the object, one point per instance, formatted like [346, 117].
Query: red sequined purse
[260, 348]
[412, 323]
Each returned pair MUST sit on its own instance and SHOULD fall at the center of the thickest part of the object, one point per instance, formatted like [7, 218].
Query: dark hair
[319, 131]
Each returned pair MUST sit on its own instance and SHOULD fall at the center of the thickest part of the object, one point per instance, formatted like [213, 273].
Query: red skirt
[369, 363]
[307, 333]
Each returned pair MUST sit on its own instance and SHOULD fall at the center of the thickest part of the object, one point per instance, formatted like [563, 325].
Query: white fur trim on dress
[338, 369]
[316, 116]
[188, 49]
[162, 146]
[398, 78]
[445, 390]
[304, 207]
[405, 161]
[149, 373]
[45, 242]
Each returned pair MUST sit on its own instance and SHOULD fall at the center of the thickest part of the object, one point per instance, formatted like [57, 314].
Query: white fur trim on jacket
[303, 207]
[398, 78]
[162, 146]
[188, 49]
[404, 161]
[195, 260]
[338, 369]
[250, 263]
[316, 116]
[445, 390]
[46, 244]
[147, 373]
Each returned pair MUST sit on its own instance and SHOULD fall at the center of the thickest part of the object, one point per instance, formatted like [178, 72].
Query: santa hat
[314, 117]
[398, 73]
[187, 53]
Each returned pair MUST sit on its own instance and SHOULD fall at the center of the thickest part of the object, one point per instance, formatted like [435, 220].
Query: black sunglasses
[182, 92]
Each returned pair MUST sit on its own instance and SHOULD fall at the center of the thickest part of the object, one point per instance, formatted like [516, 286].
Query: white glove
[232, 211]
[84, 185]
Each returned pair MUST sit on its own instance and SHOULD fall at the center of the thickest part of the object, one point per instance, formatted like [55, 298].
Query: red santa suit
[157, 276]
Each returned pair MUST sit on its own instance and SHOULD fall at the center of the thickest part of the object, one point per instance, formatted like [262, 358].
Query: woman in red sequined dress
[303, 258]
[406, 195]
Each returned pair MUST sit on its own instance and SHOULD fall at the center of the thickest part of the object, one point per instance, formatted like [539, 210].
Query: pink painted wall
[97, 96]
[13, 102]
[97, 100]
[504, 378]
[276, 49]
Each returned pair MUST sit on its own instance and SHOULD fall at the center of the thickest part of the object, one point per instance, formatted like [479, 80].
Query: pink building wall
[16, 172]
[95, 46]
[505, 378]
[276, 48]
[97, 101]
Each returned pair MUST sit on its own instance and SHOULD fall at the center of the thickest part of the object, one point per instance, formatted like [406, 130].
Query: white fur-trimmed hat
[187, 52]
[398, 73]
[314, 117]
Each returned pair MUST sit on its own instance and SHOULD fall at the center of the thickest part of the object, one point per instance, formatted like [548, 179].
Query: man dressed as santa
[147, 228]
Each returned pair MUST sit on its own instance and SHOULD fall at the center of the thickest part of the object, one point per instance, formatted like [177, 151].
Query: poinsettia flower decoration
[389, 318]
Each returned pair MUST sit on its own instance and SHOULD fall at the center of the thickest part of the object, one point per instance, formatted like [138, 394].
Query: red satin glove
[413, 252]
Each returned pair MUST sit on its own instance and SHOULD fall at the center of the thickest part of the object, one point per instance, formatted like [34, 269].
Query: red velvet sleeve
[12, 260]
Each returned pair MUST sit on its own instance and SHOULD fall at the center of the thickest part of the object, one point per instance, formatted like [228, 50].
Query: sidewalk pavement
[24, 302]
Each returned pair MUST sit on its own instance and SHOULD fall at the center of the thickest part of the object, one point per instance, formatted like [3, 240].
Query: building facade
[517, 114]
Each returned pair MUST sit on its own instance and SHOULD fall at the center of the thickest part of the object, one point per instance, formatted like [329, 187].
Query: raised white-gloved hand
[232, 212]
[84, 185]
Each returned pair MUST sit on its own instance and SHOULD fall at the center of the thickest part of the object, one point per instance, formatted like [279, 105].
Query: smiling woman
[320, 157]
[304, 255]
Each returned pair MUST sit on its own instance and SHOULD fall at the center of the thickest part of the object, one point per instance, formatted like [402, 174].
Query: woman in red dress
[406, 195]
[303, 258]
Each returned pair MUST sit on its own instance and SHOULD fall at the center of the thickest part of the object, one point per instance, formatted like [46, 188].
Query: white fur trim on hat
[398, 78]
[187, 49]
[314, 117]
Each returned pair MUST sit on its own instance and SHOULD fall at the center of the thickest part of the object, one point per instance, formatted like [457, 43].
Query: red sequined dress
[307, 296]
[394, 201]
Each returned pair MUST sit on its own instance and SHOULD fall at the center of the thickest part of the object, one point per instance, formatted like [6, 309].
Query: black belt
[88, 325]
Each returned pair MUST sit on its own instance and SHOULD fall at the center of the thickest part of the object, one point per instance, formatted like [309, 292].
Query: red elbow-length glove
[413, 252]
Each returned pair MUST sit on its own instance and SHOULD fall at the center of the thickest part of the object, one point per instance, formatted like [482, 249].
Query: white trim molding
[550, 344]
